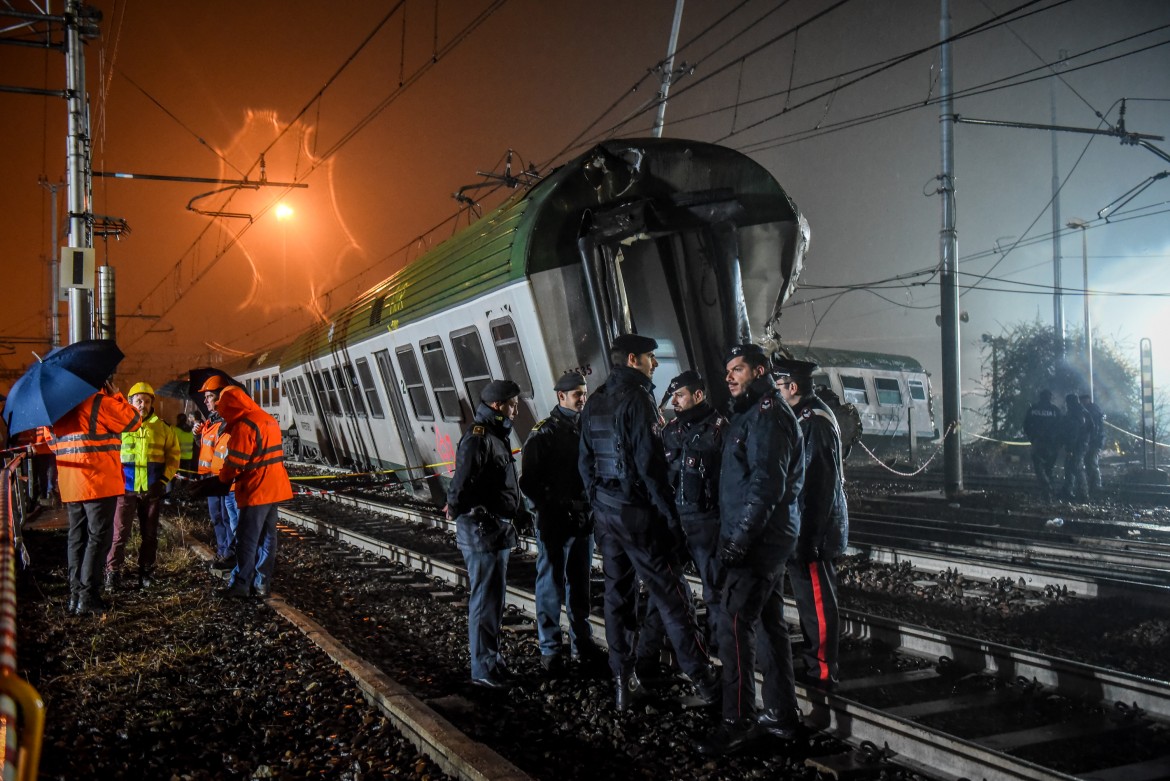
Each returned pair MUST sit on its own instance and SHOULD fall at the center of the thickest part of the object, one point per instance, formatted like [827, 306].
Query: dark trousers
[562, 579]
[814, 585]
[256, 522]
[91, 527]
[753, 611]
[1044, 466]
[633, 546]
[702, 534]
[1074, 473]
[1093, 468]
[488, 573]
[131, 505]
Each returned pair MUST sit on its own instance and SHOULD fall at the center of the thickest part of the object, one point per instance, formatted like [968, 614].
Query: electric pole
[948, 279]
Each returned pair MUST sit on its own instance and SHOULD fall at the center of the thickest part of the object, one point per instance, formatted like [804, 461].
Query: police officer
[694, 446]
[623, 467]
[564, 527]
[824, 522]
[1096, 420]
[1076, 429]
[759, 484]
[484, 500]
[1043, 428]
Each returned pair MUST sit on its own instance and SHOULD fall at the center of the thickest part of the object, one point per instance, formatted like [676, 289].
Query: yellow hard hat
[141, 387]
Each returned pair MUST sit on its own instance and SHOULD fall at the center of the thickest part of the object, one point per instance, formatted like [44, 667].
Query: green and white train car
[691, 243]
[891, 392]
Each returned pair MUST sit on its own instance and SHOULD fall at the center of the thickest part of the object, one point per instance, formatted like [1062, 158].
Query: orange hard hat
[214, 383]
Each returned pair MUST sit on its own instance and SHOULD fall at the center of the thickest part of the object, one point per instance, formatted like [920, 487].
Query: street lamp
[1077, 222]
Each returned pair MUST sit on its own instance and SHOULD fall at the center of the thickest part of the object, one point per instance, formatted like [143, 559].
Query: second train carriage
[692, 243]
[892, 393]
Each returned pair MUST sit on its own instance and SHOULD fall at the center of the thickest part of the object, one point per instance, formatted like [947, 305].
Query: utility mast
[948, 279]
[79, 269]
[668, 69]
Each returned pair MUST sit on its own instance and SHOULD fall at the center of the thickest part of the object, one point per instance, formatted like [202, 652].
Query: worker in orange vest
[87, 442]
[213, 443]
[255, 461]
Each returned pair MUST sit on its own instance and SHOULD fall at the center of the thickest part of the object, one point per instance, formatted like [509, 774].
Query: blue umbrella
[43, 395]
[93, 360]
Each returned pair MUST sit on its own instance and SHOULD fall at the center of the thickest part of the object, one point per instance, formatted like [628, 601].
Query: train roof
[829, 357]
[537, 230]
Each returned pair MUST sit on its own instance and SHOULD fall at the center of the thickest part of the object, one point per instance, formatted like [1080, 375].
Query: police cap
[569, 381]
[688, 379]
[499, 390]
[787, 367]
[635, 343]
[747, 350]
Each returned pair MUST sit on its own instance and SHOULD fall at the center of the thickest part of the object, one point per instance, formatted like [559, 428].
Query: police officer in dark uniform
[1096, 420]
[564, 526]
[1043, 429]
[623, 467]
[484, 500]
[760, 480]
[824, 522]
[694, 447]
[1076, 429]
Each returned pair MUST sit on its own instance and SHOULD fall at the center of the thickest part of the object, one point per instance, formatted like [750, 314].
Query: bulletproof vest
[609, 456]
[698, 463]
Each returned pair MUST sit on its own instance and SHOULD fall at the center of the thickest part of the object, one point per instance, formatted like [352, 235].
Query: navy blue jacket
[485, 470]
[761, 477]
[620, 426]
[694, 447]
[824, 515]
[549, 476]
[1042, 425]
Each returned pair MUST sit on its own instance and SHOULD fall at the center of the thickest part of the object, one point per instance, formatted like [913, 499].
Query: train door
[673, 277]
[412, 477]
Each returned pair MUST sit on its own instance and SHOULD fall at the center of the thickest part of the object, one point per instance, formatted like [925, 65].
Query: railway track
[971, 708]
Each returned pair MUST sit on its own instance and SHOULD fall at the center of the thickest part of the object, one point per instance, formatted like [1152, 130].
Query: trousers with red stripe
[752, 622]
[814, 585]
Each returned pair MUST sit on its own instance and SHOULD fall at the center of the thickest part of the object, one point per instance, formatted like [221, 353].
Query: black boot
[71, 607]
[629, 690]
[708, 685]
[730, 737]
[113, 580]
[780, 725]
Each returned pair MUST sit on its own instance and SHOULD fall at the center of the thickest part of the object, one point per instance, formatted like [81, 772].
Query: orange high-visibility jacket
[213, 441]
[88, 446]
[255, 456]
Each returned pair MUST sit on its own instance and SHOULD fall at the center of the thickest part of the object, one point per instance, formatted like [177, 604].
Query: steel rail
[914, 743]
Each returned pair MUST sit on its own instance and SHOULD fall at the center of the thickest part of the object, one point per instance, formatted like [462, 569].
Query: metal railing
[22, 711]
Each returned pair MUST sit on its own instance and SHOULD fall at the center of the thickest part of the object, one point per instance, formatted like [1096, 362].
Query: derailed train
[692, 243]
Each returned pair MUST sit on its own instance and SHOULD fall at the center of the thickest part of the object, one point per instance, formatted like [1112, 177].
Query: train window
[854, 388]
[510, 354]
[334, 403]
[376, 310]
[342, 390]
[290, 389]
[305, 394]
[889, 393]
[412, 379]
[367, 378]
[355, 391]
[276, 389]
[265, 394]
[917, 389]
[471, 361]
[439, 373]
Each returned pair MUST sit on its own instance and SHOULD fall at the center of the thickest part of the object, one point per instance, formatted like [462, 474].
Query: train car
[691, 243]
[260, 374]
[892, 393]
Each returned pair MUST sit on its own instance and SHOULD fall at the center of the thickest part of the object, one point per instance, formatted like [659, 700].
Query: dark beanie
[569, 381]
[499, 390]
[635, 343]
